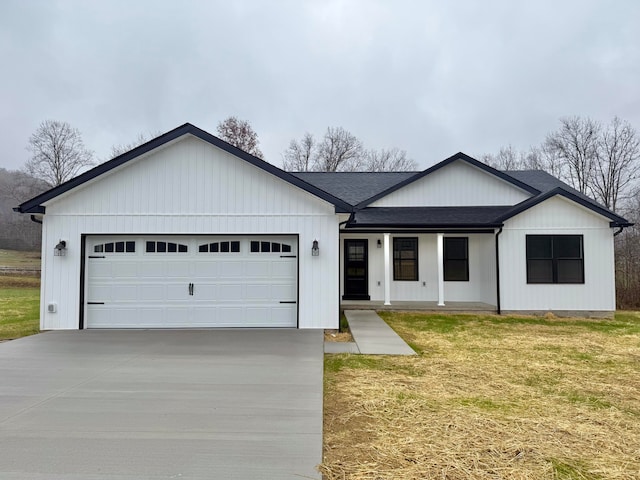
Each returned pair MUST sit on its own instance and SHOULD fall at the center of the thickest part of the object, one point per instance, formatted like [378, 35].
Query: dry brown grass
[489, 398]
[16, 258]
[337, 336]
[19, 281]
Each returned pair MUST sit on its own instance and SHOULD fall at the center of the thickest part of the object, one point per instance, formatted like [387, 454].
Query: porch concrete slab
[148, 404]
[422, 306]
[373, 336]
[341, 347]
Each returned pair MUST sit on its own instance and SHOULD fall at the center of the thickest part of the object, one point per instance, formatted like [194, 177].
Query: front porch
[418, 270]
[449, 307]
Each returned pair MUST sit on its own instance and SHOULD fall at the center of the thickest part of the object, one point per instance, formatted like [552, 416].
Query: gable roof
[458, 156]
[34, 205]
[354, 187]
[352, 192]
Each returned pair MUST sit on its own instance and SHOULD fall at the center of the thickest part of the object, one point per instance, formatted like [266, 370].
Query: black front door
[356, 278]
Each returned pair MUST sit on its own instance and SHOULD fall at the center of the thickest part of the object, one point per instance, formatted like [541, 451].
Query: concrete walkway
[373, 336]
[160, 404]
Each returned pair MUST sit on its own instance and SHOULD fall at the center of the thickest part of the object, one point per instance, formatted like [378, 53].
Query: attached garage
[187, 231]
[178, 281]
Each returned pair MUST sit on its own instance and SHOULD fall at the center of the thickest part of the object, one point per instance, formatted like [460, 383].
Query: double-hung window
[405, 259]
[555, 259]
[456, 259]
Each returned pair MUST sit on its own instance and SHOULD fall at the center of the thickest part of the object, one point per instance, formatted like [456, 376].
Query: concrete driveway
[162, 404]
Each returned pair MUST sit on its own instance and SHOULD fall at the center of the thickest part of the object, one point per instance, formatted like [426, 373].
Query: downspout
[34, 219]
[498, 311]
[340, 263]
[618, 232]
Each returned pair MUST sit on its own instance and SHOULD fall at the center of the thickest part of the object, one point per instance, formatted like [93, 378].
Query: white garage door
[181, 282]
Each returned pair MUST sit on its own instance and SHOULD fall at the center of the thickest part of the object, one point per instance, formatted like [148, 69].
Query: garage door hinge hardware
[95, 303]
[287, 256]
[96, 256]
[284, 301]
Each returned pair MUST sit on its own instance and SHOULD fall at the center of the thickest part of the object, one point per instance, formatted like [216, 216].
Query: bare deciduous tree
[627, 257]
[507, 158]
[121, 148]
[605, 163]
[617, 163]
[299, 157]
[576, 143]
[239, 133]
[57, 153]
[544, 158]
[18, 231]
[341, 151]
[389, 160]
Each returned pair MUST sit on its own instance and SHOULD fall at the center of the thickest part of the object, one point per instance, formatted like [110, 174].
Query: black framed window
[555, 259]
[405, 259]
[456, 259]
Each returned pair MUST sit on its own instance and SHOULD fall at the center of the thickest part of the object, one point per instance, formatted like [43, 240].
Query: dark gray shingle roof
[543, 181]
[353, 187]
[429, 216]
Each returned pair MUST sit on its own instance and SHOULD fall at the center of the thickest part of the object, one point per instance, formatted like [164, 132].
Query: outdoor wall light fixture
[379, 243]
[60, 250]
[315, 250]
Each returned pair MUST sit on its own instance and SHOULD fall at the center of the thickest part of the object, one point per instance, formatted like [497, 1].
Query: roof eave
[532, 202]
[621, 224]
[424, 225]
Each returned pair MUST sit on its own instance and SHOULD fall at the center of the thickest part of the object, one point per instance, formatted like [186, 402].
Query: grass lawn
[14, 258]
[489, 397]
[19, 307]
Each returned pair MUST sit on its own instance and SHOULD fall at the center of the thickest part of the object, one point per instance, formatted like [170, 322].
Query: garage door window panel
[165, 247]
[269, 247]
[220, 247]
[115, 247]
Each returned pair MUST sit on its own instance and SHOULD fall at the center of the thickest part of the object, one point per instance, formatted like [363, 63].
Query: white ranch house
[189, 231]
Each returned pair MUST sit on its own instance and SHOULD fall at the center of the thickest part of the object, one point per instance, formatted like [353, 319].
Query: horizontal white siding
[481, 286]
[558, 216]
[191, 187]
[456, 184]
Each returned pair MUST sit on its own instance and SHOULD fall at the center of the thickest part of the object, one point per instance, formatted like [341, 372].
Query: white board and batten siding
[455, 184]
[190, 188]
[562, 217]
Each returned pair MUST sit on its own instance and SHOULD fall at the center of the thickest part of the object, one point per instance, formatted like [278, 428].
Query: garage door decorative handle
[191, 289]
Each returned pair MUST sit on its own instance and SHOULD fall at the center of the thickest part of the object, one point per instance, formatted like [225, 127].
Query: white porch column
[441, 270]
[387, 270]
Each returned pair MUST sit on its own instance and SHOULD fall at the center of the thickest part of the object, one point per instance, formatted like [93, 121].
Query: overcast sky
[430, 77]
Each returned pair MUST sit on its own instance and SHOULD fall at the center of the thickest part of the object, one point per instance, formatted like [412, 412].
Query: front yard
[19, 307]
[489, 398]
